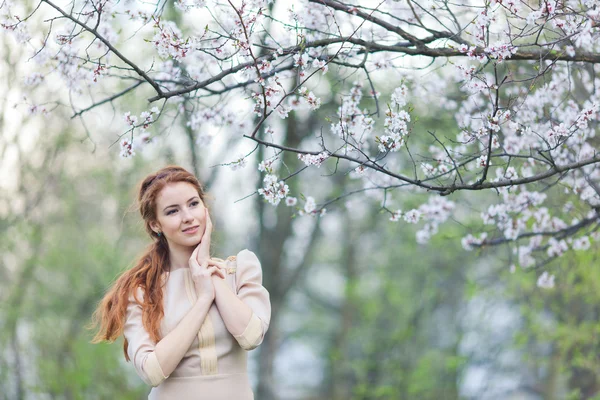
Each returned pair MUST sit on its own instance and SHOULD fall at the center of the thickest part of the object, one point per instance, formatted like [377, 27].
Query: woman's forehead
[178, 192]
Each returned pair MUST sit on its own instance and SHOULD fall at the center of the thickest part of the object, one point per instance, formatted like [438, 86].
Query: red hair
[147, 272]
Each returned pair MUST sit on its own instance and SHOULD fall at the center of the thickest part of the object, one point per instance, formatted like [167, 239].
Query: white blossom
[399, 96]
[310, 159]
[239, 163]
[581, 243]
[127, 149]
[310, 205]
[545, 281]
[396, 216]
[470, 242]
[273, 190]
[412, 216]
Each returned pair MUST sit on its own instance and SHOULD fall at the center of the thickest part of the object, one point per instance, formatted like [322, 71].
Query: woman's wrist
[204, 298]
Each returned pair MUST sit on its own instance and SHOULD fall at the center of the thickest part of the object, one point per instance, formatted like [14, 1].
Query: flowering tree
[517, 80]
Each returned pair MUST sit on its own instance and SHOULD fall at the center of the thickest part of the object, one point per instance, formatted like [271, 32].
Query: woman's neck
[179, 256]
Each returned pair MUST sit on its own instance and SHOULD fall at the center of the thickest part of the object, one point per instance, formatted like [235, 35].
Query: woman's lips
[191, 230]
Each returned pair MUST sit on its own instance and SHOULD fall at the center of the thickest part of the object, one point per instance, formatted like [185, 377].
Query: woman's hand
[202, 276]
[203, 253]
[221, 265]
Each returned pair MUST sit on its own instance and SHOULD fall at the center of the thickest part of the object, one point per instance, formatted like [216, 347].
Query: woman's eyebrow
[174, 205]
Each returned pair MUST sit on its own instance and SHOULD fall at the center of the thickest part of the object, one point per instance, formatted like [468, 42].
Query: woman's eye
[193, 203]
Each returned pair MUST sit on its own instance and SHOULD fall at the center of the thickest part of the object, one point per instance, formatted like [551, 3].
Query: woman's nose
[187, 214]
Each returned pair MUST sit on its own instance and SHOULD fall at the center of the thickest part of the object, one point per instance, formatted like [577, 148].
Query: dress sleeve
[251, 291]
[140, 347]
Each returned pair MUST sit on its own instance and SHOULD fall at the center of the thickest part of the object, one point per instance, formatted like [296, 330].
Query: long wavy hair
[146, 274]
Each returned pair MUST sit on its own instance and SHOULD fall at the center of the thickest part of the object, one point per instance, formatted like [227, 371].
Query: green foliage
[389, 345]
[564, 319]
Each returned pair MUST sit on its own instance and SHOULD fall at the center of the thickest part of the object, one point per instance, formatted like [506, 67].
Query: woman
[188, 319]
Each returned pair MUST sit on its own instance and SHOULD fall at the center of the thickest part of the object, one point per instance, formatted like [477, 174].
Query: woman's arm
[171, 349]
[235, 313]
[154, 362]
[245, 310]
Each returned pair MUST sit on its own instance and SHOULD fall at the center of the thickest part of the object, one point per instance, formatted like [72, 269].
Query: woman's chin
[192, 242]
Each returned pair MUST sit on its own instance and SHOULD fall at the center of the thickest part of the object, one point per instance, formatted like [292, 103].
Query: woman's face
[178, 207]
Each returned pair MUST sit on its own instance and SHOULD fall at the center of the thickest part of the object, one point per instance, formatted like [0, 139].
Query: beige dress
[214, 367]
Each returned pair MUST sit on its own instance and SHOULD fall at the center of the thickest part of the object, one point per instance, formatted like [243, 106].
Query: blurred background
[360, 310]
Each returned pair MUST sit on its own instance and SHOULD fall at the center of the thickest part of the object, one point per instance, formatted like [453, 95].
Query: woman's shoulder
[245, 253]
[241, 254]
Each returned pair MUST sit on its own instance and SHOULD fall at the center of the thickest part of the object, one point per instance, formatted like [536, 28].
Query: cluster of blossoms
[396, 122]
[129, 146]
[556, 247]
[581, 243]
[412, 216]
[511, 216]
[466, 73]
[10, 21]
[587, 115]
[267, 165]
[314, 17]
[34, 109]
[396, 129]
[482, 161]
[145, 119]
[264, 67]
[98, 72]
[399, 96]
[320, 64]
[187, 5]
[310, 208]
[310, 159]
[239, 163]
[301, 60]
[34, 79]
[68, 66]
[510, 5]
[272, 92]
[244, 18]
[501, 51]
[545, 281]
[273, 190]
[169, 42]
[435, 212]
[470, 242]
[217, 117]
[353, 123]
[471, 53]
[138, 15]
[313, 101]
[482, 23]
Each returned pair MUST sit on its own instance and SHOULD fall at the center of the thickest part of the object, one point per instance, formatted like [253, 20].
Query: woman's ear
[155, 227]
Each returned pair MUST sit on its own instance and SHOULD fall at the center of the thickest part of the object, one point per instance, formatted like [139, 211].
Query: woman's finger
[217, 263]
[208, 220]
[216, 271]
[194, 256]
